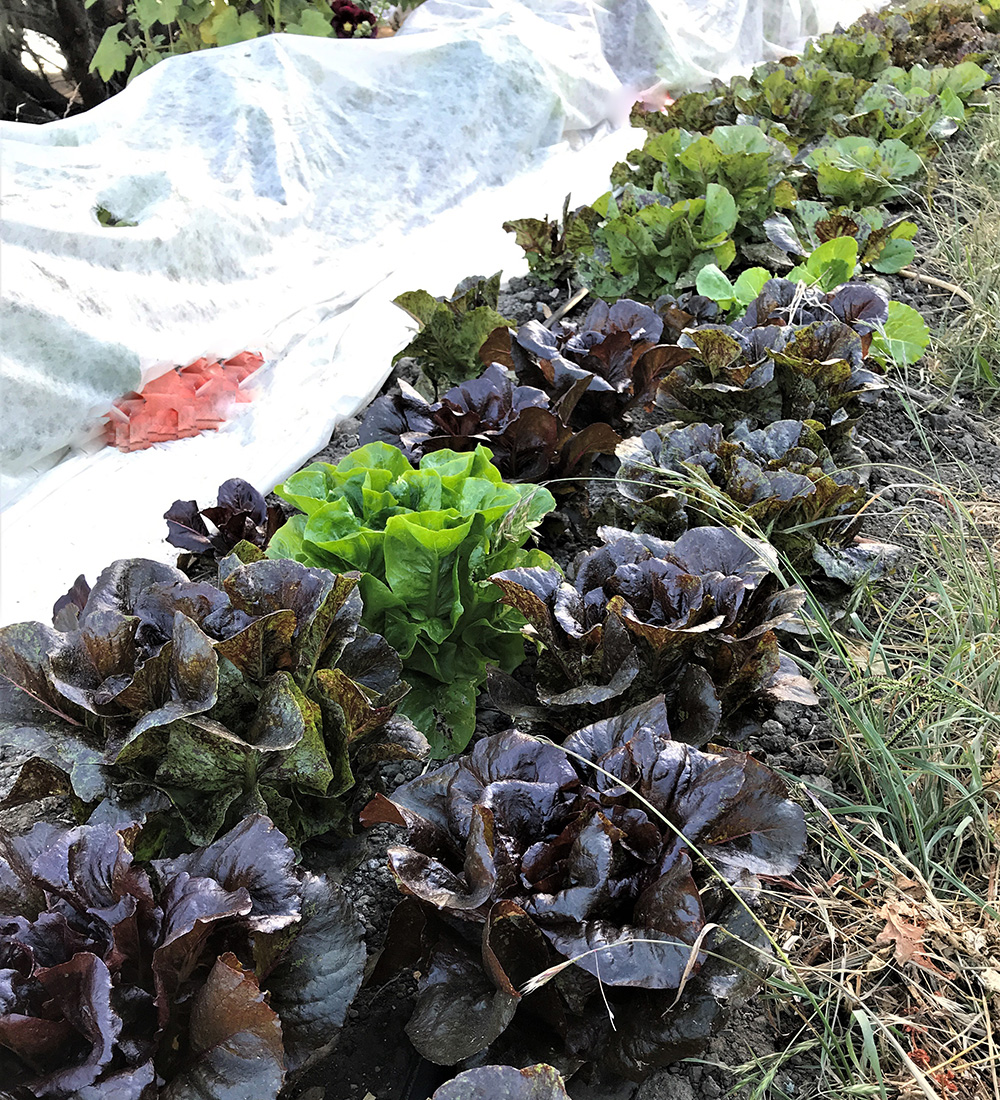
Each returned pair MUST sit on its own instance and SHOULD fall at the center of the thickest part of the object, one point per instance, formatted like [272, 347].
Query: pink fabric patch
[180, 403]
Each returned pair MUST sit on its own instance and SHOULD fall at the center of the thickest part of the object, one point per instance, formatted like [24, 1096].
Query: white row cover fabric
[284, 190]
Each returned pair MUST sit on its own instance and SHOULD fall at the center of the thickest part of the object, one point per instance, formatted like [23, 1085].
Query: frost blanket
[276, 185]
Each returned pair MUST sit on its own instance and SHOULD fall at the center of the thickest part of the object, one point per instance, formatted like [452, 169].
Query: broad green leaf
[311, 22]
[227, 26]
[749, 284]
[148, 12]
[112, 54]
[713, 283]
[720, 211]
[895, 255]
[905, 337]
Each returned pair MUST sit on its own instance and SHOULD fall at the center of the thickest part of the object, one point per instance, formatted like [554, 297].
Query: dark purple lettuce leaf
[693, 618]
[312, 982]
[66, 610]
[547, 876]
[782, 477]
[539, 1082]
[526, 433]
[235, 1040]
[112, 980]
[240, 515]
[454, 993]
[261, 694]
[599, 371]
[254, 856]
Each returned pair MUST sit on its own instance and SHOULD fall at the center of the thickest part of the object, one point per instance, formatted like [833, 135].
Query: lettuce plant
[554, 247]
[742, 159]
[526, 431]
[781, 477]
[205, 702]
[859, 171]
[604, 862]
[426, 541]
[452, 330]
[539, 1082]
[885, 247]
[213, 975]
[240, 514]
[645, 246]
[600, 370]
[796, 354]
[693, 619]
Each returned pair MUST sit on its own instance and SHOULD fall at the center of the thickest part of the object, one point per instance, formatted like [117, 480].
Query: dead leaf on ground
[907, 938]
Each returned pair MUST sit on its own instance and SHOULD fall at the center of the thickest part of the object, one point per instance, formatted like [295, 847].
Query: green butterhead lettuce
[426, 541]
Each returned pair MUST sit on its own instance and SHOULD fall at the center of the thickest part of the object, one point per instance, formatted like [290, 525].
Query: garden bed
[618, 691]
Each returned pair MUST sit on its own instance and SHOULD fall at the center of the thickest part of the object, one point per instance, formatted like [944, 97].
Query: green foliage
[803, 98]
[715, 284]
[155, 29]
[903, 338]
[859, 172]
[644, 248]
[830, 265]
[452, 330]
[426, 541]
[863, 55]
[743, 159]
[884, 247]
[109, 220]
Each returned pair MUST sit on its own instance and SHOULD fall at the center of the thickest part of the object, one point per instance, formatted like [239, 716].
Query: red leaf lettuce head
[596, 373]
[263, 691]
[603, 859]
[795, 355]
[693, 618]
[525, 432]
[240, 514]
[782, 477]
[215, 973]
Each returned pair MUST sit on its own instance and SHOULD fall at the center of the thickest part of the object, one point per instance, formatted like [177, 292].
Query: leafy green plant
[903, 337]
[426, 541]
[155, 29]
[829, 265]
[884, 246]
[558, 898]
[801, 99]
[198, 704]
[452, 330]
[860, 172]
[743, 159]
[645, 247]
[215, 976]
[918, 106]
[732, 298]
[693, 618]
